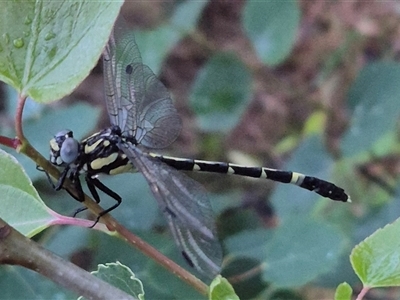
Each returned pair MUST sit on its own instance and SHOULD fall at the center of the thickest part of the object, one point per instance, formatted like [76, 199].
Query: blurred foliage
[272, 28]
[275, 239]
[219, 98]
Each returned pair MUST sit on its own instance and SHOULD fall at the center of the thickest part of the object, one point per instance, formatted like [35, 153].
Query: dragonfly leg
[62, 178]
[60, 181]
[94, 183]
[74, 177]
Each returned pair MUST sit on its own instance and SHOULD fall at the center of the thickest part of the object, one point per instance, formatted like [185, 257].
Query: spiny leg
[60, 180]
[94, 183]
[74, 177]
[81, 195]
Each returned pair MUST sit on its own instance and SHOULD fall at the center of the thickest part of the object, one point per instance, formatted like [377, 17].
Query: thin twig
[18, 118]
[16, 249]
[12, 143]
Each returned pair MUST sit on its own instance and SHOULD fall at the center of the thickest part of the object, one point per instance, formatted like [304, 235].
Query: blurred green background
[308, 86]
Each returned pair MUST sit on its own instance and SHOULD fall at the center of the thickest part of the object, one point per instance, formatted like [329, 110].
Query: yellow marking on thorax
[94, 134]
[54, 145]
[89, 149]
[122, 169]
[98, 163]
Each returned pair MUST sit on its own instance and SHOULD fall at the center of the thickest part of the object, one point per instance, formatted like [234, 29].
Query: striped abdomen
[322, 187]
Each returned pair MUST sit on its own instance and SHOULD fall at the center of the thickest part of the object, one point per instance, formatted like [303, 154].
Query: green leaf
[375, 105]
[221, 93]
[221, 289]
[376, 260]
[182, 22]
[295, 253]
[155, 277]
[21, 205]
[343, 292]
[23, 212]
[272, 27]
[121, 277]
[12, 174]
[48, 47]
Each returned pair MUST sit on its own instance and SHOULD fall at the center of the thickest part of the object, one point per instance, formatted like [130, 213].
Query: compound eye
[69, 150]
[62, 135]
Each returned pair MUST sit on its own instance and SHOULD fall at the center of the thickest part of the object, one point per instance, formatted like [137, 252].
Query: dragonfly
[143, 119]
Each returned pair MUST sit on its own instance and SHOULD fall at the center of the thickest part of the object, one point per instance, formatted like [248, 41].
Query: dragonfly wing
[188, 211]
[158, 122]
[136, 100]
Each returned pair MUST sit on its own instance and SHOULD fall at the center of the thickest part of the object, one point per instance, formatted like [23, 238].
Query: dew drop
[18, 43]
[52, 52]
[26, 33]
[28, 20]
[6, 38]
[49, 36]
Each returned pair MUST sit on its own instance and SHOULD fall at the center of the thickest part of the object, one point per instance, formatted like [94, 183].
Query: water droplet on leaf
[28, 20]
[49, 36]
[18, 43]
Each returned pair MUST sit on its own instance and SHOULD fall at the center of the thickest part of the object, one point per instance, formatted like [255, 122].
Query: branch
[16, 249]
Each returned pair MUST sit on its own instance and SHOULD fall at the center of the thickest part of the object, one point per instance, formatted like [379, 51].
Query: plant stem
[17, 249]
[12, 143]
[18, 118]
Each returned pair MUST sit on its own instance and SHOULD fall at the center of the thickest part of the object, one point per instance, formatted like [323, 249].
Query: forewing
[186, 206]
[136, 100]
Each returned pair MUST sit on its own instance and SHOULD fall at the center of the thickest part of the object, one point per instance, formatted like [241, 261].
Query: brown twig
[17, 249]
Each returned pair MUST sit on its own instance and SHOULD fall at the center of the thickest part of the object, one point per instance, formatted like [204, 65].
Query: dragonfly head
[64, 149]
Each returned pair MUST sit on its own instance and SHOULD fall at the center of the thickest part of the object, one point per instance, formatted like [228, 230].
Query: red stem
[362, 293]
[18, 118]
[12, 143]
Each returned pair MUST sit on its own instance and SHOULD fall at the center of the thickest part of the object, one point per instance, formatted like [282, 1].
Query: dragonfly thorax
[99, 153]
